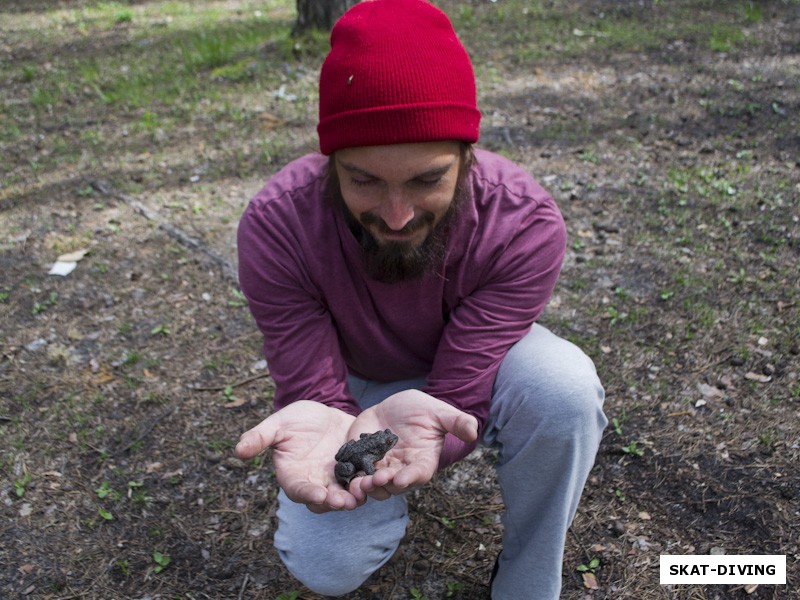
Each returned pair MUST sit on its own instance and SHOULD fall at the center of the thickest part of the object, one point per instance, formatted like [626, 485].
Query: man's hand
[420, 421]
[304, 437]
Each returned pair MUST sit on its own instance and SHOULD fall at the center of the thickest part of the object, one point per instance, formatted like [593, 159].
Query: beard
[396, 261]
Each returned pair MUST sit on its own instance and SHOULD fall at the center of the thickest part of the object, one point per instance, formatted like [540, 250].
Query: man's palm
[420, 422]
[304, 437]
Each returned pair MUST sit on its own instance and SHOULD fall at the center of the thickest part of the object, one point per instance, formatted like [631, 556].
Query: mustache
[368, 219]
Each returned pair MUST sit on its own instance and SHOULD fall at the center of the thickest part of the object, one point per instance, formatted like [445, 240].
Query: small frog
[361, 454]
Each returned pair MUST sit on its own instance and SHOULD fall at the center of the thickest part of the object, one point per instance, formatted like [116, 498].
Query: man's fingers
[462, 425]
[257, 439]
[409, 477]
[306, 492]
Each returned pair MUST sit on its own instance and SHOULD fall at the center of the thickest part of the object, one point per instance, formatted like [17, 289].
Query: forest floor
[132, 135]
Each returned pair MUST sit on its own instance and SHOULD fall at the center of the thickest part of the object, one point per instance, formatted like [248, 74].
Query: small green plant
[589, 567]
[105, 514]
[615, 315]
[124, 15]
[160, 330]
[239, 299]
[28, 73]
[633, 449]
[767, 439]
[21, 483]
[228, 393]
[449, 523]
[453, 588]
[137, 493]
[723, 39]
[162, 561]
[417, 595]
[124, 567]
[131, 358]
[617, 426]
[293, 595]
[589, 155]
[104, 490]
[40, 307]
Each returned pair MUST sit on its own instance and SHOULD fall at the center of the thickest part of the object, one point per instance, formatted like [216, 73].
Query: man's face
[400, 197]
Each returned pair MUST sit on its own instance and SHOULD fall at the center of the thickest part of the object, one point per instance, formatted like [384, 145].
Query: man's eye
[361, 182]
[428, 182]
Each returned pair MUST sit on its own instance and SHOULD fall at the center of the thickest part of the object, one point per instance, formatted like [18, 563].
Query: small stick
[219, 388]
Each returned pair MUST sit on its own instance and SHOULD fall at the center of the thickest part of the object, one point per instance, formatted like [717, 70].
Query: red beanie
[396, 73]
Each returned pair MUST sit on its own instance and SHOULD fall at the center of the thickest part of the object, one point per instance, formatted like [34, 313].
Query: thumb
[462, 425]
[257, 439]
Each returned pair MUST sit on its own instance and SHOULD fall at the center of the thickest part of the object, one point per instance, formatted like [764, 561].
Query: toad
[361, 454]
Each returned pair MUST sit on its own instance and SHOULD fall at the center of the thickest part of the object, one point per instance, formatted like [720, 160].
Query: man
[397, 277]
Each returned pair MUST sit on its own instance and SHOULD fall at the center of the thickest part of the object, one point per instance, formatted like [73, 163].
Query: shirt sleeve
[512, 293]
[300, 340]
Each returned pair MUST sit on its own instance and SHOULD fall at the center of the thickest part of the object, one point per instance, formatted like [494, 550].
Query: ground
[136, 131]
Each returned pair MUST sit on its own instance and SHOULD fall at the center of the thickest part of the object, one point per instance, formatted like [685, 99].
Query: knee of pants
[552, 386]
[331, 554]
[325, 575]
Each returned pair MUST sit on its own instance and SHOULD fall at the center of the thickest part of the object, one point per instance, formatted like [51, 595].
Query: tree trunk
[319, 14]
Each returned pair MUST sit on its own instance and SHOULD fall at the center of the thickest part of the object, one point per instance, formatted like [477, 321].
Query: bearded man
[397, 277]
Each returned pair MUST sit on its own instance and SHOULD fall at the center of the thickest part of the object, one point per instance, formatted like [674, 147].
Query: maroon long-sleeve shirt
[323, 317]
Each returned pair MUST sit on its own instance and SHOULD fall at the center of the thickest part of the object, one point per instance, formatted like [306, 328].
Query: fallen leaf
[73, 256]
[153, 467]
[26, 569]
[709, 391]
[269, 121]
[103, 377]
[644, 516]
[750, 376]
[235, 403]
[750, 588]
[171, 474]
[590, 581]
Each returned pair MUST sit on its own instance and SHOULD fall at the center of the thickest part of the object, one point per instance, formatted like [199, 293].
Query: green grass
[140, 73]
[534, 31]
[148, 70]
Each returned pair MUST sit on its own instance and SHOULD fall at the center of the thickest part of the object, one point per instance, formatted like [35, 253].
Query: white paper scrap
[62, 268]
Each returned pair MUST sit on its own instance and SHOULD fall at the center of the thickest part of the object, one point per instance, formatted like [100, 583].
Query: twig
[228, 270]
[244, 585]
[220, 388]
[5, 418]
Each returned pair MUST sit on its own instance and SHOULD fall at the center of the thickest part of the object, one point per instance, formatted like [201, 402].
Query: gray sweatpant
[546, 420]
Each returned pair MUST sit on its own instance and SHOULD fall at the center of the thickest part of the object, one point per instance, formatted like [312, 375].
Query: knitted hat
[396, 73]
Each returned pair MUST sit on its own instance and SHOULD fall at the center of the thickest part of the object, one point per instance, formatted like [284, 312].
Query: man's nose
[397, 211]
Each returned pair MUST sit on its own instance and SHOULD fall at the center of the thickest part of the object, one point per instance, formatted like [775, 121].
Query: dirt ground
[125, 384]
